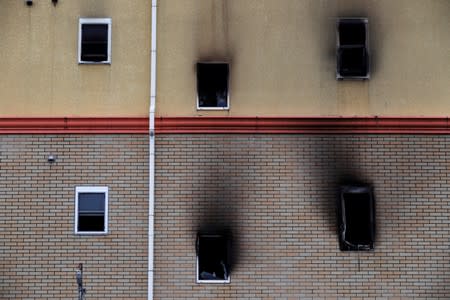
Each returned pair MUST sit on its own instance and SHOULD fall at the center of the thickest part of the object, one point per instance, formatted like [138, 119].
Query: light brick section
[39, 251]
[277, 193]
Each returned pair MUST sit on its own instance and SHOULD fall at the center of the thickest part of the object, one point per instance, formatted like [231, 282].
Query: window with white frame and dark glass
[213, 258]
[94, 41]
[212, 85]
[91, 210]
[352, 48]
[356, 213]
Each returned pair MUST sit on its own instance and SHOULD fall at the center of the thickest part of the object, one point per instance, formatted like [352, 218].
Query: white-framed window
[91, 210]
[94, 41]
[352, 50]
[212, 86]
[213, 258]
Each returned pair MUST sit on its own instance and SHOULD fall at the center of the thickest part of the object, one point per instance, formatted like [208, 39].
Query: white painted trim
[151, 150]
[91, 189]
[228, 87]
[106, 21]
[214, 108]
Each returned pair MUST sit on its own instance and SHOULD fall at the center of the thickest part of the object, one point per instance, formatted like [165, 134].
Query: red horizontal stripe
[304, 125]
[183, 125]
[73, 125]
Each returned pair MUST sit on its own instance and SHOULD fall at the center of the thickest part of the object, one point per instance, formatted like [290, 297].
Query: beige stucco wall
[282, 56]
[39, 70]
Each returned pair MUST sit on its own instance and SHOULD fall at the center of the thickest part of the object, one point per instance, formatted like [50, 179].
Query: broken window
[91, 210]
[352, 49]
[94, 41]
[212, 85]
[213, 252]
[356, 218]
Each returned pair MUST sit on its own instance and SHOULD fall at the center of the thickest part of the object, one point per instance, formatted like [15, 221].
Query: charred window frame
[91, 210]
[213, 258]
[356, 213]
[94, 41]
[212, 85]
[352, 51]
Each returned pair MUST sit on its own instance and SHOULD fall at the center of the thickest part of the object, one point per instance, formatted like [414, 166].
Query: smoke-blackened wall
[276, 194]
[283, 57]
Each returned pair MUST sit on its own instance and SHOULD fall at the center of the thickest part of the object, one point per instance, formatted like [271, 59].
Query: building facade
[262, 116]
[68, 125]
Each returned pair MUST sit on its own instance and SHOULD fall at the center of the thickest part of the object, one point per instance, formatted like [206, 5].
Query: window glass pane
[91, 223]
[353, 61]
[91, 202]
[94, 51]
[94, 32]
[352, 33]
[94, 42]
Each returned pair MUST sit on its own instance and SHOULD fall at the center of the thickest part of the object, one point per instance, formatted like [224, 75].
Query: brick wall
[277, 194]
[39, 251]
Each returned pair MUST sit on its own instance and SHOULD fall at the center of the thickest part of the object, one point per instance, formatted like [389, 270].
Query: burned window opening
[356, 218]
[213, 261]
[352, 49]
[212, 85]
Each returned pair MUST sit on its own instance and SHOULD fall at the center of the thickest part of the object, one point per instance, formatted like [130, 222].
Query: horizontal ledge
[74, 125]
[223, 125]
[304, 125]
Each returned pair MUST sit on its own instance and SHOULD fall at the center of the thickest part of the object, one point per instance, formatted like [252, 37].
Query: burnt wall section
[277, 195]
[39, 252]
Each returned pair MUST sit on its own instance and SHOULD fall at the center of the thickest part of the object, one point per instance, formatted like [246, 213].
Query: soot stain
[337, 158]
[218, 208]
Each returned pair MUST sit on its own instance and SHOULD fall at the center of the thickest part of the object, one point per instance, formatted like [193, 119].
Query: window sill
[92, 233]
[94, 63]
[214, 281]
[213, 108]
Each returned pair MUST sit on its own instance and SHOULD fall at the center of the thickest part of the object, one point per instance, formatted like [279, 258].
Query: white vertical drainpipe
[151, 163]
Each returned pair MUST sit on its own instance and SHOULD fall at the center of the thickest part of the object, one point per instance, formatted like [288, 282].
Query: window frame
[227, 107]
[92, 189]
[104, 21]
[197, 263]
[355, 189]
[365, 21]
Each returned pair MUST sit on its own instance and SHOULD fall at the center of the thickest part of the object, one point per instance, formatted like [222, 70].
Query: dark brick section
[276, 193]
[39, 251]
